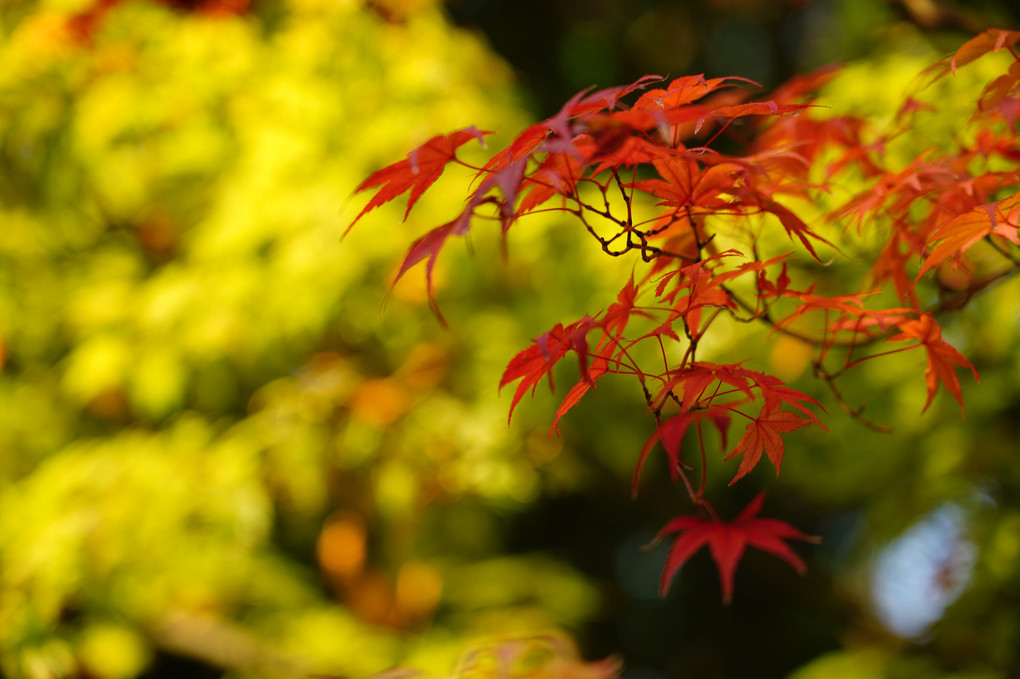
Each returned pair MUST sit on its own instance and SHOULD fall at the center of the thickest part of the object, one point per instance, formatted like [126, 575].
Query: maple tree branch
[849, 365]
[699, 502]
[662, 352]
[1001, 250]
[764, 316]
[856, 413]
[704, 459]
[960, 299]
[626, 197]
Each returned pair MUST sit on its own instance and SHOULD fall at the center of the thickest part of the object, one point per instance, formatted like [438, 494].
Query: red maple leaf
[762, 435]
[607, 99]
[557, 175]
[599, 367]
[727, 542]
[429, 246]
[535, 362]
[682, 91]
[695, 379]
[417, 172]
[605, 358]
[683, 183]
[941, 356]
[672, 432]
[538, 360]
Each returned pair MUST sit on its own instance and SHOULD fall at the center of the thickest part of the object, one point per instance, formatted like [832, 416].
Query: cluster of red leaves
[592, 160]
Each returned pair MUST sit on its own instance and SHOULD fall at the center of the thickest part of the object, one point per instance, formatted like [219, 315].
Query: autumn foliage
[722, 237]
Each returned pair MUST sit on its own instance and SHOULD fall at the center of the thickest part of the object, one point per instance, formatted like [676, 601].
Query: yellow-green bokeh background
[216, 443]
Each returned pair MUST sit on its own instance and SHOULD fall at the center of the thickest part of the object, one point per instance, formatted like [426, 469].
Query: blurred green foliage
[215, 444]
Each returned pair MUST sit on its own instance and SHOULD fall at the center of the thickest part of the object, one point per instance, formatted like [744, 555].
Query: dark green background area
[562, 46]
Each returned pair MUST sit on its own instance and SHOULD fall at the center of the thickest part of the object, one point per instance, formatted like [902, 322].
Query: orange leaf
[992, 40]
[959, 234]
[762, 435]
[941, 356]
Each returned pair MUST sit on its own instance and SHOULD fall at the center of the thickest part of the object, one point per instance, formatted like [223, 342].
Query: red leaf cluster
[938, 230]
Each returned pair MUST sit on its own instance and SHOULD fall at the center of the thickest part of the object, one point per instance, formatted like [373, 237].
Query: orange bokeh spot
[380, 402]
[418, 590]
[341, 547]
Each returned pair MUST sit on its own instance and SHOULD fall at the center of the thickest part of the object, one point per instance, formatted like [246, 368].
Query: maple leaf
[522, 147]
[891, 265]
[683, 91]
[683, 183]
[776, 393]
[941, 356]
[599, 367]
[612, 324]
[606, 99]
[702, 286]
[557, 175]
[429, 246]
[537, 361]
[846, 306]
[900, 188]
[959, 234]
[992, 40]
[727, 541]
[417, 172]
[620, 311]
[756, 108]
[769, 289]
[695, 378]
[794, 226]
[762, 435]
[671, 433]
[1001, 95]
